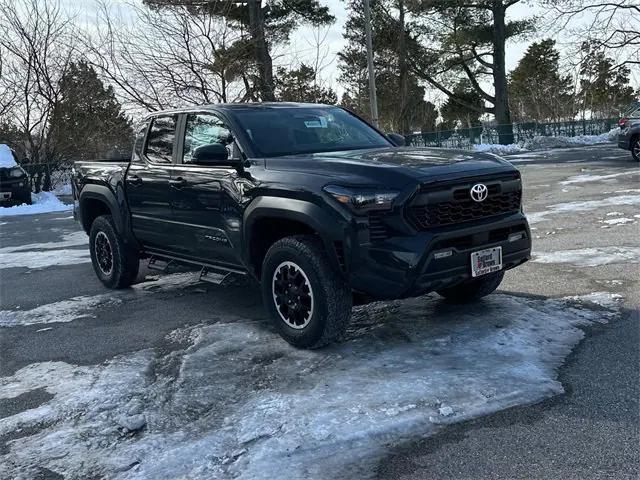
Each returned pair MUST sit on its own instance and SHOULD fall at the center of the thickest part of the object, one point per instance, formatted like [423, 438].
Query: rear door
[206, 199]
[147, 181]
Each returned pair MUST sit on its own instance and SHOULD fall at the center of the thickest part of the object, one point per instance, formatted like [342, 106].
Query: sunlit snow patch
[594, 177]
[590, 257]
[243, 404]
[43, 202]
[584, 206]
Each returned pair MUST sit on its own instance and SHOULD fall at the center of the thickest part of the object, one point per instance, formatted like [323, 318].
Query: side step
[160, 264]
[208, 274]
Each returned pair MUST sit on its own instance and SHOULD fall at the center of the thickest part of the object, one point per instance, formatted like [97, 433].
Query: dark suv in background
[629, 137]
[14, 181]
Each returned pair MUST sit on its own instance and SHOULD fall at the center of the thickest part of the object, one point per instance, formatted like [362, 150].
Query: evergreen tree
[455, 114]
[87, 123]
[537, 89]
[401, 104]
[604, 88]
[266, 24]
[299, 85]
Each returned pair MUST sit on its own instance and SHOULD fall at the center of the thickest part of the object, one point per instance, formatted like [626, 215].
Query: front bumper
[407, 266]
[15, 191]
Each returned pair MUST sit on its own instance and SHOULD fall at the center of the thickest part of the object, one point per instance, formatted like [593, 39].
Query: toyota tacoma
[310, 200]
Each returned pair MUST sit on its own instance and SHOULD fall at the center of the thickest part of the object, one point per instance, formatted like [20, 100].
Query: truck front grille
[454, 205]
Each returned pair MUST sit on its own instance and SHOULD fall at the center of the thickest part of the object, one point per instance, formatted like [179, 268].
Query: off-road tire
[125, 261]
[472, 290]
[331, 303]
[635, 148]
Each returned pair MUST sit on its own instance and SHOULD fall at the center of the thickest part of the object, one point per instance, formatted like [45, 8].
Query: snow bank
[590, 257]
[546, 143]
[498, 149]
[232, 400]
[6, 157]
[43, 202]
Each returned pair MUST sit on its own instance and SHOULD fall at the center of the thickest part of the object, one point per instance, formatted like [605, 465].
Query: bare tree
[167, 57]
[612, 26]
[36, 47]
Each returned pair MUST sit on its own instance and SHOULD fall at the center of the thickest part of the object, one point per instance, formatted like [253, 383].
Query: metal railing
[466, 138]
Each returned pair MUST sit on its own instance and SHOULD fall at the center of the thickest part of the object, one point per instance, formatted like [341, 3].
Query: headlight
[16, 172]
[361, 201]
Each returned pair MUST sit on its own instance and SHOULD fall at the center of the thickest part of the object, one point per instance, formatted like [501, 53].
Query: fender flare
[106, 196]
[328, 224]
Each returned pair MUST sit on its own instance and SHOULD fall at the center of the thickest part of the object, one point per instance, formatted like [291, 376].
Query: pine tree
[88, 122]
[604, 88]
[454, 114]
[401, 104]
[299, 85]
[537, 90]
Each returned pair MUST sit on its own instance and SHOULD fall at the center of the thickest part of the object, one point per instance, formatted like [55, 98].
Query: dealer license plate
[486, 261]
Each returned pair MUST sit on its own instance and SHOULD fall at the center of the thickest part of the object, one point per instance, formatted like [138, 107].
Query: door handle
[177, 182]
[134, 180]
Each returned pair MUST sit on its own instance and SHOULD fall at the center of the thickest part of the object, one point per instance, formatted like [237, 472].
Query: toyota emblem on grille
[479, 192]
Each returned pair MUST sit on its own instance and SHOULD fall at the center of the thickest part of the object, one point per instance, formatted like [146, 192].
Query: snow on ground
[547, 143]
[583, 206]
[6, 157]
[498, 149]
[619, 221]
[594, 178]
[42, 255]
[43, 202]
[240, 403]
[590, 257]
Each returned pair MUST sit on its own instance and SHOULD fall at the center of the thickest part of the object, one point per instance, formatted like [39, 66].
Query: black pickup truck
[311, 201]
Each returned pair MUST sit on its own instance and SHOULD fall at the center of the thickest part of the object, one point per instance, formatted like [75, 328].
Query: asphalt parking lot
[178, 379]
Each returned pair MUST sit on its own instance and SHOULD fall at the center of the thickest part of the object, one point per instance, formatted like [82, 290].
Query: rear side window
[160, 139]
[139, 140]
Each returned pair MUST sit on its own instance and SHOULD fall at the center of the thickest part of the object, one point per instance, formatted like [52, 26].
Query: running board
[159, 264]
[211, 275]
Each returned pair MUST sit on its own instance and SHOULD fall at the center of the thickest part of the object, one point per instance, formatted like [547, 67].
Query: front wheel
[115, 263]
[472, 289]
[635, 148]
[309, 302]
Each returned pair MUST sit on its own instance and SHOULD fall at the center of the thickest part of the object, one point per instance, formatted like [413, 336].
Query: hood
[395, 164]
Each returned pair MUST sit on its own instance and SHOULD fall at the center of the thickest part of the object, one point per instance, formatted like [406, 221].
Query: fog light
[443, 254]
[514, 237]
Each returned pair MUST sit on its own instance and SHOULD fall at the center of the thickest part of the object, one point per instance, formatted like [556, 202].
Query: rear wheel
[309, 302]
[472, 289]
[635, 148]
[115, 263]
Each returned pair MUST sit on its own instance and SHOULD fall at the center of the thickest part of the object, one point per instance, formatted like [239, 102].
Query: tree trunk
[261, 51]
[404, 123]
[502, 113]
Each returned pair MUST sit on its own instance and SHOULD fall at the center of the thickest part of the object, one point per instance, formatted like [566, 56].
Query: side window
[204, 129]
[138, 143]
[160, 139]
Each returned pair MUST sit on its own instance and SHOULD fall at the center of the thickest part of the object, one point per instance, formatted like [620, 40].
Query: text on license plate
[486, 261]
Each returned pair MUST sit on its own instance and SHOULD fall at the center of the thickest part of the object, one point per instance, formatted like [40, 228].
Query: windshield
[289, 131]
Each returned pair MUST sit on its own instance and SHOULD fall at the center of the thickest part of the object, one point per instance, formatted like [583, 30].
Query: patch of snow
[593, 178]
[44, 259]
[6, 157]
[611, 214]
[59, 312]
[63, 189]
[71, 239]
[590, 257]
[546, 143]
[245, 405]
[583, 206]
[43, 202]
[618, 221]
[497, 148]
[603, 299]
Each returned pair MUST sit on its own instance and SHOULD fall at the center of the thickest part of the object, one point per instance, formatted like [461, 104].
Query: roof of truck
[240, 106]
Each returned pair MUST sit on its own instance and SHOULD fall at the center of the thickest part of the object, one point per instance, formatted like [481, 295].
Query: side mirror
[397, 139]
[214, 154]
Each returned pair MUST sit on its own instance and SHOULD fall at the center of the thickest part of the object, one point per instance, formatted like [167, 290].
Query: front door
[147, 182]
[206, 199]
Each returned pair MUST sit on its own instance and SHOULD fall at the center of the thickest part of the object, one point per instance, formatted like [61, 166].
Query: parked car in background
[14, 181]
[629, 136]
